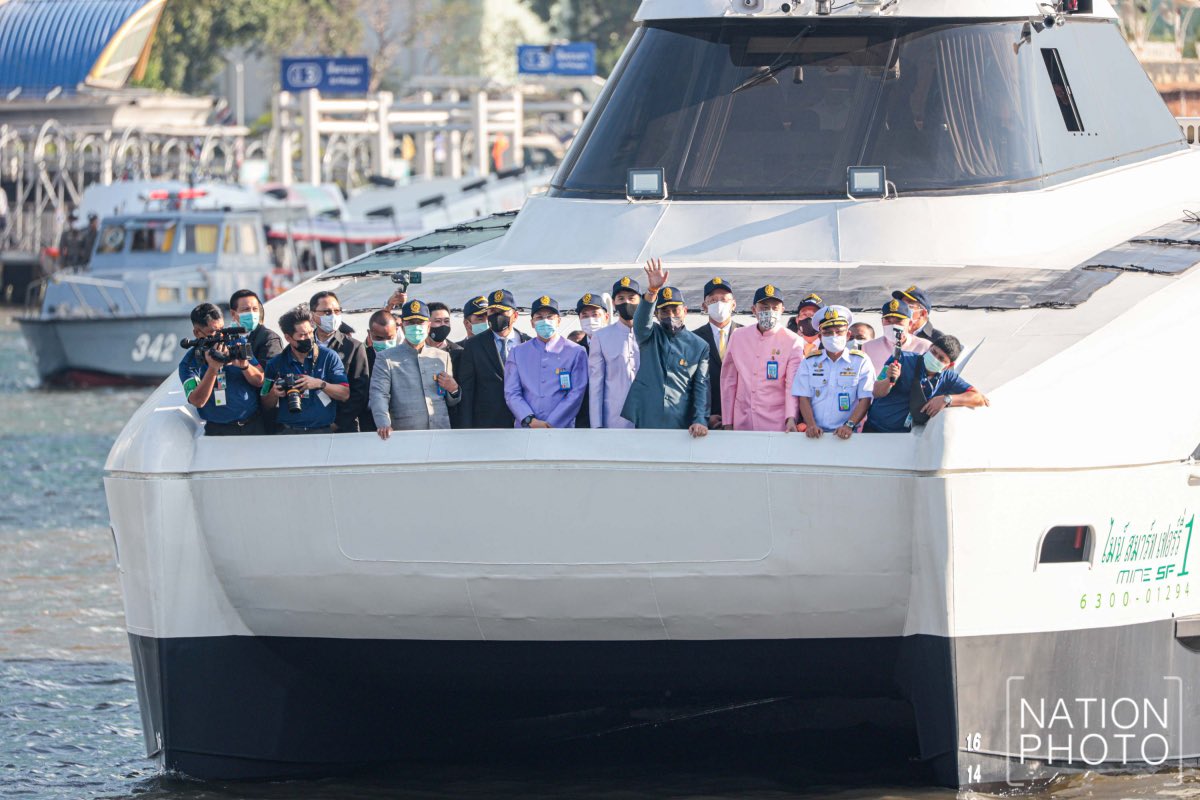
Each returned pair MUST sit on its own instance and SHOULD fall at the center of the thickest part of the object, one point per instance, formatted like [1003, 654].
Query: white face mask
[720, 311]
[834, 344]
[768, 320]
[892, 330]
[590, 325]
[856, 344]
[330, 322]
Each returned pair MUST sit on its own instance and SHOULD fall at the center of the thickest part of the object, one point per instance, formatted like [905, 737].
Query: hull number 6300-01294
[160, 347]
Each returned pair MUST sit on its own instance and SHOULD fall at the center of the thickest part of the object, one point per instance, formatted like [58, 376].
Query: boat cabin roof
[945, 9]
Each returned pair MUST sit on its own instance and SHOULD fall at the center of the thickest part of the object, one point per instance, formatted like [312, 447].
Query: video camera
[235, 351]
[404, 278]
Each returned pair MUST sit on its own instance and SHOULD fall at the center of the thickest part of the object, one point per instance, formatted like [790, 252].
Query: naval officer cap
[829, 316]
[768, 292]
[913, 294]
[502, 299]
[590, 300]
[626, 284]
[416, 310]
[543, 303]
[476, 305]
[715, 284]
[895, 308]
[811, 301]
[670, 296]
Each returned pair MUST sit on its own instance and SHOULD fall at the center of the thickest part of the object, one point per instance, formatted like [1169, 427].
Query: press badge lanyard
[936, 386]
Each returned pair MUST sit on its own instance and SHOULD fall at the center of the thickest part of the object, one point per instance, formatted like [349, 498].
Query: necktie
[721, 349]
[503, 352]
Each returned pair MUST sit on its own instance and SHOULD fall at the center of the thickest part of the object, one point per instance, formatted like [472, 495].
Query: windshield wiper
[767, 74]
[416, 248]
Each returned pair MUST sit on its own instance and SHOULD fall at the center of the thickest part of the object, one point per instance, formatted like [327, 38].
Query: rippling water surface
[69, 724]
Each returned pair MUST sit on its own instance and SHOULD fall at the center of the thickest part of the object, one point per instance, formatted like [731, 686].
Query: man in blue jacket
[671, 387]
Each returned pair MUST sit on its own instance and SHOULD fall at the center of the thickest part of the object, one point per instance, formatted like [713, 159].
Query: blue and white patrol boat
[120, 320]
[1016, 580]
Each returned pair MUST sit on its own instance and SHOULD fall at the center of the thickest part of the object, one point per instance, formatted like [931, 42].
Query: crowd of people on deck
[817, 373]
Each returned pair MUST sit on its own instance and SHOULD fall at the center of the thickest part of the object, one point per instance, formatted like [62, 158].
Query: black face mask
[671, 325]
[499, 323]
[304, 345]
[439, 333]
[626, 310]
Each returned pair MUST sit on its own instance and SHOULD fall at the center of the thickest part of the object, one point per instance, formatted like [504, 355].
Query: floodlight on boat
[646, 184]
[866, 183]
[824, 8]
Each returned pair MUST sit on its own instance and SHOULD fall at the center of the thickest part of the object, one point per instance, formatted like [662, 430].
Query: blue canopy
[46, 44]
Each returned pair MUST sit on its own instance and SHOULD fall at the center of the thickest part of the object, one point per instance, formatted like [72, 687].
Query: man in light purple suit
[545, 378]
[614, 358]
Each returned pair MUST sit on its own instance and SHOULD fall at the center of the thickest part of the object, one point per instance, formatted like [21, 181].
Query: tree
[194, 35]
[608, 23]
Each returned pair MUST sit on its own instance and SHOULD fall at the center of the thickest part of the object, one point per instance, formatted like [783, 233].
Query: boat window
[1062, 90]
[152, 239]
[248, 239]
[1064, 544]
[167, 294]
[112, 239]
[201, 238]
[781, 109]
[197, 294]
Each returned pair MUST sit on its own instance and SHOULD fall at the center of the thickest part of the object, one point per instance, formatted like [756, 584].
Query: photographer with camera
[220, 376]
[306, 380]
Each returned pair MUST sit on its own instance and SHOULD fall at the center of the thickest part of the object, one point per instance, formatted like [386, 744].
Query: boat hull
[238, 707]
[117, 351]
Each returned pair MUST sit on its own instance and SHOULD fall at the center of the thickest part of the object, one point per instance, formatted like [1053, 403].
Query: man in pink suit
[760, 362]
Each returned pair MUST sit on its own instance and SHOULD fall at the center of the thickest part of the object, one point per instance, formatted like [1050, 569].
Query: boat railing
[1191, 129]
[105, 288]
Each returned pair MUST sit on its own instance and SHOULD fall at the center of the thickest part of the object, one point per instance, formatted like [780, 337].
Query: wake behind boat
[1016, 578]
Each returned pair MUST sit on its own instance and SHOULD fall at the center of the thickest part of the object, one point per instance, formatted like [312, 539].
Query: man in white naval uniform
[833, 385]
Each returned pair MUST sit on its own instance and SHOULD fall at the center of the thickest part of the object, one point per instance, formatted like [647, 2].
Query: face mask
[414, 334]
[807, 329]
[671, 324]
[933, 365]
[384, 345]
[439, 333]
[499, 323]
[590, 325]
[626, 310]
[834, 344]
[856, 344]
[545, 328]
[721, 311]
[304, 345]
[478, 327]
[767, 320]
[893, 330]
[249, 321]
[330, 322]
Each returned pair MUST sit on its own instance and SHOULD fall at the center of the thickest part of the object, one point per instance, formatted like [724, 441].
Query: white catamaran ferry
[990, 573]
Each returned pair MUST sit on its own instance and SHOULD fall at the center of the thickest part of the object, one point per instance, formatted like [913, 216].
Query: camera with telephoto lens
[235, 350]
[292, 392]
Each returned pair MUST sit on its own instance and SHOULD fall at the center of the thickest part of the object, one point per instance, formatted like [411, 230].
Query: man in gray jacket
[412, 388]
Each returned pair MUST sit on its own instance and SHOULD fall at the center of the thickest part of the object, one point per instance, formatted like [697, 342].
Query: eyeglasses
[327, 312]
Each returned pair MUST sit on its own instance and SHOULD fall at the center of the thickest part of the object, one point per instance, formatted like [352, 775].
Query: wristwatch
[849, 424]
[949, 401]
[525, 422]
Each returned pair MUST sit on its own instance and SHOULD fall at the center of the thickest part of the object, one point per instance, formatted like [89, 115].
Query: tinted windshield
[753, 109]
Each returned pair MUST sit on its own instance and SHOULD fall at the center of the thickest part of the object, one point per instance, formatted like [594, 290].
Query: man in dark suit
[482, 366]
[719, 304]
[919, 308]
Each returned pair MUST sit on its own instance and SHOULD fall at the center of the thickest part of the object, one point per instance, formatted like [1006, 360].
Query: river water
[69, 724]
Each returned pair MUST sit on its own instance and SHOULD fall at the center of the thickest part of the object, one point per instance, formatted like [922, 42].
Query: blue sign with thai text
[349, 75]
[558, 59]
